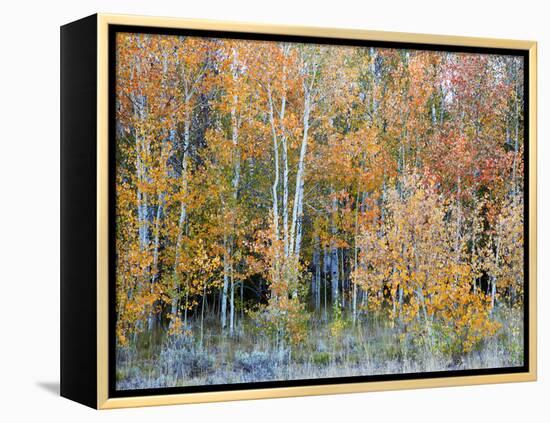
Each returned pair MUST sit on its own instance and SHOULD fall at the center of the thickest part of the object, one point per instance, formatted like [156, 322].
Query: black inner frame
[114, 29]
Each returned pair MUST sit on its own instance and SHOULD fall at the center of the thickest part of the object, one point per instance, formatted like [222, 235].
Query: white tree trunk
[285, 182]
[316, 277]
[297, 210]
[139, 102]
[141, 173]
[225, 283]
[232, 304]
[285, 158]
[159, 215]
[494, 278]
[334, 270]
[326, 268]
[516, 132]
[235, 133]
[355, 254]
[230, 244]
[275, 185]
[183, 209]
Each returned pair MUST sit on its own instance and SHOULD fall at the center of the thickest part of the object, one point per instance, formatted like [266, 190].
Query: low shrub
[258, 364]
[321, 358]
[186, 361]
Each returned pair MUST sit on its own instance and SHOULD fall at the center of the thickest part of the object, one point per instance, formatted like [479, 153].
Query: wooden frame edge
[174, 399]
[103, 400]
[533, 161]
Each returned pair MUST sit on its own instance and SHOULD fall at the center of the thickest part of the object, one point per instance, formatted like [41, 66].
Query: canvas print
[289, 210]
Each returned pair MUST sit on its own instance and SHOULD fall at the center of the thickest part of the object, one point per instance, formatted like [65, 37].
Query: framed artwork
[254, 211]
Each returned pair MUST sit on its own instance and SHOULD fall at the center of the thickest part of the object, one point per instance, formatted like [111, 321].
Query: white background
[29, 210]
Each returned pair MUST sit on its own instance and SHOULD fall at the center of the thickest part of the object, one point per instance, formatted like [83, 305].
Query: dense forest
[290, 210]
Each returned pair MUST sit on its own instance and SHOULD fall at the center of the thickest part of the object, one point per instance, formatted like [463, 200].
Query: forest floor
[370, 347]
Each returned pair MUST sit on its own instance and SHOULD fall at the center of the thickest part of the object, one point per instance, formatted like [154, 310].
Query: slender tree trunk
[427, 320]
[139, 102]
[284, 158]
[334, 271]
[154, 317]
[326, 263]
[316, 274]
[142, 174]
[225, 287]
[142, 206]
[186, 304]
[156, 241]
[494, 278]
[232, 304]
[235, 139]
[242, 300]
[297, 211]
[285, 195]
[202, 314]
[228, 258]
[184, 184]
[183, 210]
[355, 253]
[458, 225]
[166, 145]
[274, 188]
[516, 133]
[343, 278]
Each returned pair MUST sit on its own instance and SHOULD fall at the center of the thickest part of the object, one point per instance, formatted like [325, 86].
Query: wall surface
[29, 212]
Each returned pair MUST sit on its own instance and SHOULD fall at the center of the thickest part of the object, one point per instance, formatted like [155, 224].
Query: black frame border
[114, 29]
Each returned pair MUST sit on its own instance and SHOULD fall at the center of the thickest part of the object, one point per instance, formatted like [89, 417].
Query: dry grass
[371, 347]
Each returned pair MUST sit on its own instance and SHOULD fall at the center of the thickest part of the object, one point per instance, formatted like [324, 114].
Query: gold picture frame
[97, 394]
